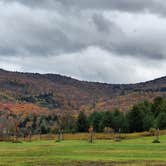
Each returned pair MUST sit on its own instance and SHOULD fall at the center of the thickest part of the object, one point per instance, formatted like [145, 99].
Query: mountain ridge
[69, 77]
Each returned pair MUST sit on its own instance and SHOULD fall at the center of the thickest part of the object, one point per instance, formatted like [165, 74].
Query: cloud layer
[110, 41]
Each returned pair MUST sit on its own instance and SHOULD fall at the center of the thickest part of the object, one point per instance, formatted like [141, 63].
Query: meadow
[133, 152]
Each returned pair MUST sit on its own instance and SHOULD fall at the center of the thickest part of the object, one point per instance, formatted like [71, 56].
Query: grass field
[131, 152]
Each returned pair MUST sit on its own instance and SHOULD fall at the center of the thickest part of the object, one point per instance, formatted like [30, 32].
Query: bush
[156, 141]
[118, 139]
[16, 141]
[152, 131]
[161, 120]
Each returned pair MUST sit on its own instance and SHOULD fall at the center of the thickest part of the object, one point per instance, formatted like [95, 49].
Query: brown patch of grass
[98, 136]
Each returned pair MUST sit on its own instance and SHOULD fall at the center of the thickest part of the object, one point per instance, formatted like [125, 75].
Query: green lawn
[48, 153]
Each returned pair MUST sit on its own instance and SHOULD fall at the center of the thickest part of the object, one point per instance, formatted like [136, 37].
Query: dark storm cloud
[37, 32]
[40, 31]
[28, 31]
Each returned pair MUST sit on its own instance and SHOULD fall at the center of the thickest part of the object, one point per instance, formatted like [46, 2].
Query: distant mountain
[33, 91]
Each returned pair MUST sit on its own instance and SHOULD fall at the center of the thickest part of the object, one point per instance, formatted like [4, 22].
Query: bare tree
[156, 140]
[91, 134]
[29, 130]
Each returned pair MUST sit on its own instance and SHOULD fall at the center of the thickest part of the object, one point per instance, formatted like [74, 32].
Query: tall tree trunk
[30, 136]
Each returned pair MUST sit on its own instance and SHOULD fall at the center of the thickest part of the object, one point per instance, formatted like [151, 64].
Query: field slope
[138, 151]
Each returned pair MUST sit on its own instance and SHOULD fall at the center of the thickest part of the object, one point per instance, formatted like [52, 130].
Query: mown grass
[140, 151]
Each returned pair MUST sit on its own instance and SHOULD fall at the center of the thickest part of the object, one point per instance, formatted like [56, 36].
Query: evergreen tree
[135, 119]
[148, 121]
[161, 120]
[95, 120]
[82, 122]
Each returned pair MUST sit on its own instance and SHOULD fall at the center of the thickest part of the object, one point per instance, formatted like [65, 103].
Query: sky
[113, 41]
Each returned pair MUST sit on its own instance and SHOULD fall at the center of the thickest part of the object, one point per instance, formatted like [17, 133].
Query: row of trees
[141, 117]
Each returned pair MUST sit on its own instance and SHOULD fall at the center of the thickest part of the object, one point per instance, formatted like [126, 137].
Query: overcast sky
[114, 41]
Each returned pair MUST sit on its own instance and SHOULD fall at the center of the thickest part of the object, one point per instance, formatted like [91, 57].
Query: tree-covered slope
[56, 92]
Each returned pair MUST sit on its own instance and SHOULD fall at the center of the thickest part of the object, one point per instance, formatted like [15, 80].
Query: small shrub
[118, 140]
[152, 131]
[16, 142]
[156, 141]
[57, 141]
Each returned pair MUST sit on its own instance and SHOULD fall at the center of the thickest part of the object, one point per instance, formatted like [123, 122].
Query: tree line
[141, 117]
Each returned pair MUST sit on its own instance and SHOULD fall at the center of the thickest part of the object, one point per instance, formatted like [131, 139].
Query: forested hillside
[45, 92]
[43, 103]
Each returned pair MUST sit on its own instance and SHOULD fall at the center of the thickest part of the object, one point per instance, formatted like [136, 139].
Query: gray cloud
[56, 29]
[153, 6]
[90, 65]
[102, 24]
[143, 47]
[45, 32]
[39, 32]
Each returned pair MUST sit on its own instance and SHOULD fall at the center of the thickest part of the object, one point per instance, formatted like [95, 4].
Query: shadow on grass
[100, 163]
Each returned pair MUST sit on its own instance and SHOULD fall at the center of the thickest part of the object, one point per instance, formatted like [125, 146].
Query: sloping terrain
[56, 92]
